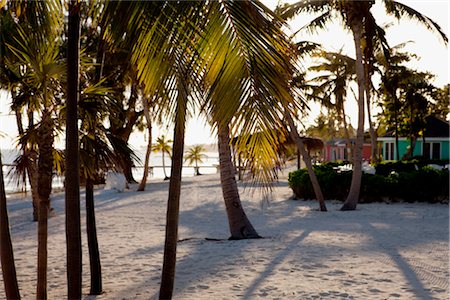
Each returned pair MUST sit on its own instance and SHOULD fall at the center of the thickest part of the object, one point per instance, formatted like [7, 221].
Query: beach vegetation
[357, 17]
[401, 184]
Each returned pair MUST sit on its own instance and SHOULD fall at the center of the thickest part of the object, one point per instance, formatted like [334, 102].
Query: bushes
[334, 185]
[424, 185]
[386, 167]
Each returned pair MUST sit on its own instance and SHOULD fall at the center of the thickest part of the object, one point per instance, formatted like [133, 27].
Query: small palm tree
[162, 145]
[195, 156]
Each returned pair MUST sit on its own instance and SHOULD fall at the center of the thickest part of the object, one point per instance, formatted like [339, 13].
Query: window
[389, 151]
[432, 150]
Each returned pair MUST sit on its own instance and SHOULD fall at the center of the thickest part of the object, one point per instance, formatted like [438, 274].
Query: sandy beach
[379, 251]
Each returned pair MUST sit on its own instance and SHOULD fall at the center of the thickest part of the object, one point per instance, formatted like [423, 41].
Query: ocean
[209, 166]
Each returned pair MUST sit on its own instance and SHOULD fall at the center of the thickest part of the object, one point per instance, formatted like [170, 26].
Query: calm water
[207, 167]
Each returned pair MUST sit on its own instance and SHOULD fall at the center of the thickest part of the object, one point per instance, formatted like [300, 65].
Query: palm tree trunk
[32, 172]
[173, 203]
[239, 224]
[197, 171]
[373, 133]
[149, 145]
[73, 224]
[45, 166]
[307, 159]
[164, 166]
[347, 135]
[353, 196]
[31, 168]
[94, 254]
[6, 249]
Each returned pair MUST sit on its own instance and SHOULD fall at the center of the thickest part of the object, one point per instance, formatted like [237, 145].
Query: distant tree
[162, 145]
[441, 104]
[194, 156]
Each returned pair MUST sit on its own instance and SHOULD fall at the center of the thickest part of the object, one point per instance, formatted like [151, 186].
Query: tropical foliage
[119, 62]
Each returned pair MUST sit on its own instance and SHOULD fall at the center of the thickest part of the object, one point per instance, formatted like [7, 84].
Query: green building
[433, 145]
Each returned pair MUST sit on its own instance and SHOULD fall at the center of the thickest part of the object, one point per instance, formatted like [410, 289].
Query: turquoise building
[433, 145]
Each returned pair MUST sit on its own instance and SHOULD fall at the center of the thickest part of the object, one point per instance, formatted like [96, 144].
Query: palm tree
[239, 224]
[194, 156]
[357, 17]
[340, 71]
[249, 75]
[6, 249]
[72, 175]
[162, 145]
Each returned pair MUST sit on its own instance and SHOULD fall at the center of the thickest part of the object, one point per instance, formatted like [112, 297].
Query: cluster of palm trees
[115, 66]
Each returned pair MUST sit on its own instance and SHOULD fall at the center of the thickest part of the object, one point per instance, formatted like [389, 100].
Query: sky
[434, 57]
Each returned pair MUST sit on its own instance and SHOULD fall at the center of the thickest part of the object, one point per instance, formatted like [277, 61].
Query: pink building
[337, 150]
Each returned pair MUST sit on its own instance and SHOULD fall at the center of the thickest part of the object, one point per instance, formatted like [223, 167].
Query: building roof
[434, 127]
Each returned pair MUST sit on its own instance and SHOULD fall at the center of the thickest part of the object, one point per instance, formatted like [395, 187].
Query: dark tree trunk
[347, 136]
[122, 130]
[91, 228]
[173, 203]
[373, 133]
[45, 166]
[72, 186]
[149, 145]
[306, 158]
[164, 166]
[33, 177]
[239, 224]
[353, 196]
[31, 168]
[6, 249]
[394, 95]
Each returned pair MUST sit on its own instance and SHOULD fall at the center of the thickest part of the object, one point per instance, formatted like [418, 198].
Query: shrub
[334, 185]
[425, 185]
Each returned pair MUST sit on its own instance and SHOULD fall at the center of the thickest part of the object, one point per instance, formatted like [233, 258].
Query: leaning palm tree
[189, 55]
[162, 145]
[357, 17]
[195, 155]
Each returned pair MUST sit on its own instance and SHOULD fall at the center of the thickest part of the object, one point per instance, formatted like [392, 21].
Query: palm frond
[289, 11]
[400, 10]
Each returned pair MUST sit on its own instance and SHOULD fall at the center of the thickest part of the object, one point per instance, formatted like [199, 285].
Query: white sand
[380, 251]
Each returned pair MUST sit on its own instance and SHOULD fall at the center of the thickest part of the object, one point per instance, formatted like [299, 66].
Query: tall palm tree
[26, 163]
[162, 146]
[6, 249]
[357, 17]
[242, 79]
[73, 225]
[195, 155]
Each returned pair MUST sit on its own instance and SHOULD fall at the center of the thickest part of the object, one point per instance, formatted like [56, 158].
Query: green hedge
[386, 167]
[425, 185]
